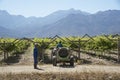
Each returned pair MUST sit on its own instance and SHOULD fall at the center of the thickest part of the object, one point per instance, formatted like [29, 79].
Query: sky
[41, 8]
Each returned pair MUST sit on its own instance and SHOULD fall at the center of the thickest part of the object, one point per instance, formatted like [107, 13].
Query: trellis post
[4, 51]
[43, 51]
[118, 49]
[79, 49]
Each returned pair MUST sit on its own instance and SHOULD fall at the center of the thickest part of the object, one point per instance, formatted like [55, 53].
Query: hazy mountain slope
[11, 21]
[67, 26]
[79, 24]
[7, 32]
[53, 17]
[107, 21]
[63, 22]
[28, 26]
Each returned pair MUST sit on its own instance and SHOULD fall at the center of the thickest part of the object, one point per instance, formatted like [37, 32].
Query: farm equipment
[62, 55]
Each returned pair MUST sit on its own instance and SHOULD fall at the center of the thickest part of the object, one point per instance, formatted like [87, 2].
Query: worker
[59, 44]
[35, 56]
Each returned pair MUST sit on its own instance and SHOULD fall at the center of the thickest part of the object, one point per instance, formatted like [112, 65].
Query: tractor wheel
[54, 62]
[72, 62]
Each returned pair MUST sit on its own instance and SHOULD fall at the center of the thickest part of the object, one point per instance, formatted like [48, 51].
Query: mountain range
[63, 23]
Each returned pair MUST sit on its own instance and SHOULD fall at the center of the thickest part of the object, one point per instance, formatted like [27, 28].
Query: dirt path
[26, 58]
[95, 60]
[50, 68]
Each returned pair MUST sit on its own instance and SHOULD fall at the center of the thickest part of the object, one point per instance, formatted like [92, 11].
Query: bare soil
[50, 68]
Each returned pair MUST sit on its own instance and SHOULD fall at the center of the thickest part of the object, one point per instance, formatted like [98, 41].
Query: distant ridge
[63, 23]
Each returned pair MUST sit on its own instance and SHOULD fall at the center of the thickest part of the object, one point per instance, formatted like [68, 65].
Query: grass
[61, 76]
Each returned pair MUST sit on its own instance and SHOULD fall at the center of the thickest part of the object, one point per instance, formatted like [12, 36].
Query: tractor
[62, 55]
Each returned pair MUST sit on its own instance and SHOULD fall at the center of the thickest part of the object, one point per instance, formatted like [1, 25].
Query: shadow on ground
[12, 59]
[84, 61]
[65, 65]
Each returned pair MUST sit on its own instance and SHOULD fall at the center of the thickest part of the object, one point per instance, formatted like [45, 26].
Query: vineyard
[10, 48]
[104, 46]
[104, 49]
